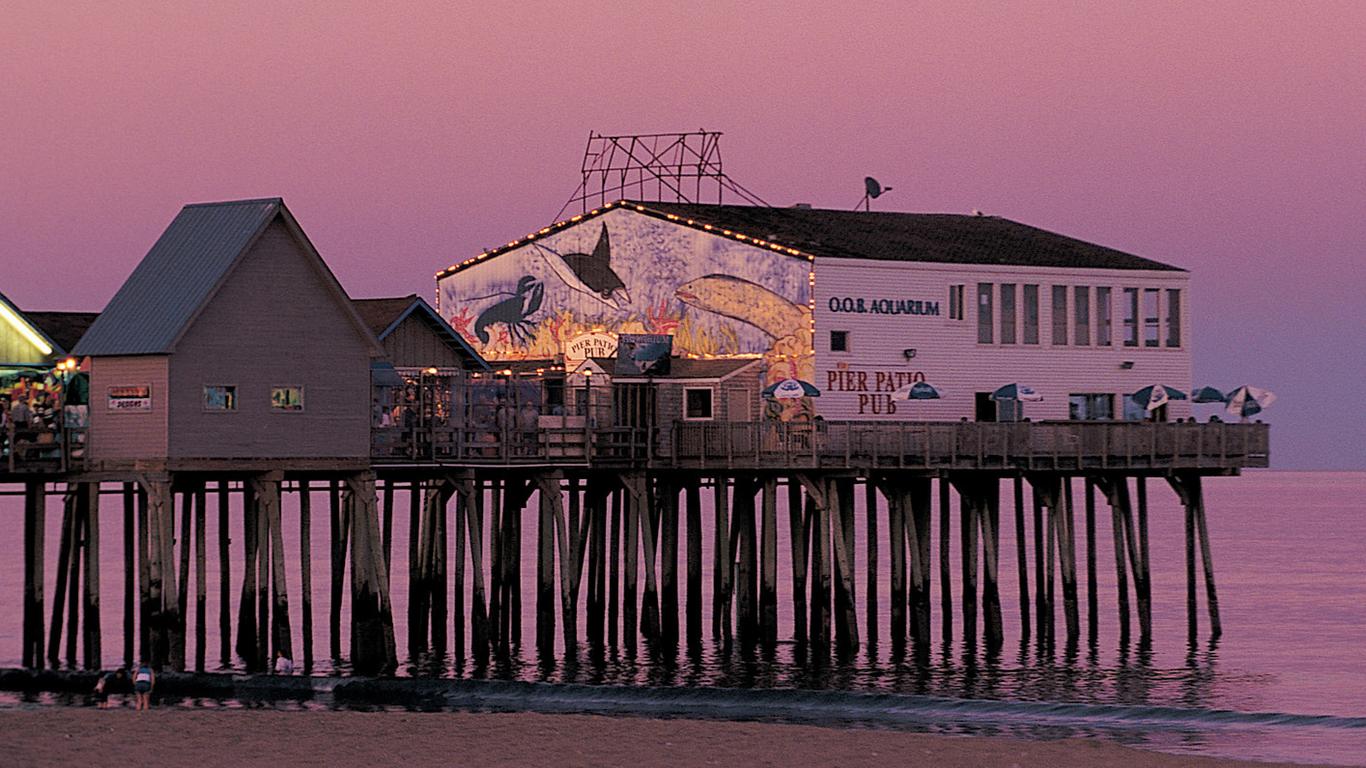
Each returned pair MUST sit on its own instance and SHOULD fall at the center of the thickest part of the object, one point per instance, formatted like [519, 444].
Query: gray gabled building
[231, 340]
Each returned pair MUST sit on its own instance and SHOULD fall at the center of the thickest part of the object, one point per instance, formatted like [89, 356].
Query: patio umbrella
[1248, 401]
[791, 389]
[1157, 395]
[1019, 392]
[1208, 395]
[919, 390]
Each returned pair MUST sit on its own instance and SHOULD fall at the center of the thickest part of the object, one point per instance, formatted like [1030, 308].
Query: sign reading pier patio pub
[873, 306]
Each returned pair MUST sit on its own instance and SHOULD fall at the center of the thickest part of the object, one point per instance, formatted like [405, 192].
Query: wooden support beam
[552, 494]
[846, 606]
[184, 540]
[1145, 578]
[247, 617]
[34, 533]
[692, 495]
[162, 596]
[1043, 611]
[339, 524]
[896, 533]
[668, 566]
[1092, 598]
[919, 514]
[418, 612]
[649, 610]
[819, 538]
[631, 567]
[768, 564]
[1021, 556]
[1117, 501]
[472, 505]
[373, 650]
[968, 527]
[746, 559]
[388, 525]
[989, 517]
[720, 585]
[89, 501]
[466, 489]
[870, 510]
[224, 574]
[1188, 487]
[798, 528]
[614, 568]
[945, 567]
[264, 588]
[306, 569]
[73, 614]
[201, 568]
[1067, 557]
[144, 577]
[129, 573]
[545, 577]
[281, 635]
[64, 556]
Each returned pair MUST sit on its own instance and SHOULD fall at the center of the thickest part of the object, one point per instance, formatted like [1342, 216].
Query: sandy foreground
[69, 736]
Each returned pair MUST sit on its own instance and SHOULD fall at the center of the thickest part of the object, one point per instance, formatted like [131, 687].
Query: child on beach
[143, 680]
[104, 686]
[283, 664]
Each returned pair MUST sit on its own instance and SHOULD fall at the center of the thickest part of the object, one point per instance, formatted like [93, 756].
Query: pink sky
[1226, 138]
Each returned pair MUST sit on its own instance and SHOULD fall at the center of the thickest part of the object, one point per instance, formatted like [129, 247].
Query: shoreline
[207, 739]
[1157, 731]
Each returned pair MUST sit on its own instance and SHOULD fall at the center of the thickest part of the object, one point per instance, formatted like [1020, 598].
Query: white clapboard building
[859, 304]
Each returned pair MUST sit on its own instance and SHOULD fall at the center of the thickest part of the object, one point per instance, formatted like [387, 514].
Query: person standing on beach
[143, 680]
[283, 664]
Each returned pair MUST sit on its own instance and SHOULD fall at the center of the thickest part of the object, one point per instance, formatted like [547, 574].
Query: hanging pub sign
[582, 347]
[130, 398]
[643, 354]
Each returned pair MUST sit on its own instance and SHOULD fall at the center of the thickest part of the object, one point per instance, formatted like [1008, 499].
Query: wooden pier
[607, 522]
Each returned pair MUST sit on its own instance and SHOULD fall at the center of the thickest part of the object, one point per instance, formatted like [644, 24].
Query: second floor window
[1081, 308]
[1130, 317]
[1060, 315]
[1151, 320]
[1007, 313]
[1029, 329]
[1103, 331]
[1173, 317]
[984, 313]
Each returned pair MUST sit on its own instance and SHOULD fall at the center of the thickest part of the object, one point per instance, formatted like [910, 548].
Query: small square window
[220, 398]
[287, 398]
[697, 404]
[839, 341]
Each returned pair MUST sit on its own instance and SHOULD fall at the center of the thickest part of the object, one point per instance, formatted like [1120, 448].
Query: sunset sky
[1229, 139]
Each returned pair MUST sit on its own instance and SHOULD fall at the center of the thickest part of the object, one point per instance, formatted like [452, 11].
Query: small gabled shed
[415, 336]
[231, 340]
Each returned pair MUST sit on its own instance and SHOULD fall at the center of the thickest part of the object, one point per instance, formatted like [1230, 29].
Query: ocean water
[1286, 681]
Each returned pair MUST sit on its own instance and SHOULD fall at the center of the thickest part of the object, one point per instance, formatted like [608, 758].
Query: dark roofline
[252, 201]
[420, 303]
[719, 230]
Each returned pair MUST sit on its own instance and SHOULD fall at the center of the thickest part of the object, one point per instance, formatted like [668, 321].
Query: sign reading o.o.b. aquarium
[871, 306]
[130, 398]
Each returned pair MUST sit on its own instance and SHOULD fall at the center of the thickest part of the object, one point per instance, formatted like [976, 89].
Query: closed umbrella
[919, 390]
[1157, 395]
[1248, 401]
[1208, 395]
[790, 389]
[1019, 392]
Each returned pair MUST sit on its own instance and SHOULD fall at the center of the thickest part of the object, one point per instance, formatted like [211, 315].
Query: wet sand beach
[64, 736]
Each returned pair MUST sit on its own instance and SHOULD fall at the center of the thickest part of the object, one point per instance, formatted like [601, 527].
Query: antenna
[675, 167]
[872, 190]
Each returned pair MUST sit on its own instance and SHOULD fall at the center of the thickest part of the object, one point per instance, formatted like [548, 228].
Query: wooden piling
[90, 504]
[224, 574]
[649, 610]
[896, 532]
[798, 528]
[1021, 555]
[553, 496]
[919, 514]
[200, 574]
[817, 494]
[472, 504]
[129, 570]
[373, 650]
[1092, 598]
[282, 636]
[1067, 557]
[989, 517]
[388, 525]
[693, 511]
[968, 528]
[417, 608]
[306, 570]
[668, 565]
[339, 525]
[720, 573]
[545, 577]
[185, 541]
[54, 638]
[846, 606]
[746, 572]
[1110, 487]
[1216, 627]
[768, 564]
[945, 567]
[1145, 579]
[1043, 611]
[614, 568]
[630, 566]
[458, 598]
[870, 510]
[144, 576]
[73, 583]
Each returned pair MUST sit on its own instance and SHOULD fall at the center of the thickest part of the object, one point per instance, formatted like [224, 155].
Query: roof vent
[976, 212]
[803, 206]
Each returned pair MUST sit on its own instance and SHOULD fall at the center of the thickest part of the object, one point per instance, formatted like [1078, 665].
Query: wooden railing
[42, 450]
[1074, 445]
[843, 444]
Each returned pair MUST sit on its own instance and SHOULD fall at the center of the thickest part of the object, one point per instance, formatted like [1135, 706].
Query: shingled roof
[383, 315]
[183, 270]
[926, 237]
[64, 328]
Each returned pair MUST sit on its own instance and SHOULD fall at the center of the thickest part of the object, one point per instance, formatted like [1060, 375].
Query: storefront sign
[874, 388]
[580, 348]
[643, 354]
[865, 306]
[137, 398]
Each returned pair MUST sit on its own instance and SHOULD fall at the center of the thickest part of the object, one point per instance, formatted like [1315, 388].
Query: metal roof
[383, 315]
[176, 277]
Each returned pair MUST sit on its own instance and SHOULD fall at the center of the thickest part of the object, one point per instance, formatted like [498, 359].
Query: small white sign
[580, 348]
[130, 398]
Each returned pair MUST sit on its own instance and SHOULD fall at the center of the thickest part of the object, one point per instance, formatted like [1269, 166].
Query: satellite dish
[872, 190]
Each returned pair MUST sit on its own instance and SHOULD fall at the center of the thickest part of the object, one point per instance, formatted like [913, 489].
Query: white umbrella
[919, 390]
[1248, 401]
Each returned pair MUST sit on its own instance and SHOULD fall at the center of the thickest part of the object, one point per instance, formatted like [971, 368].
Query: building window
[1007, 313]
[1132, 410]
[1151, 321]
[1103, 331]
[1091, 406]
[1173, 317]
[218, 397]
[956, 302]
[697, 403]
[1130, 317]
[1081, 311]
[286, 398]
[839, 341]
[1060, 315]
[984, 313]
[1029, 331]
